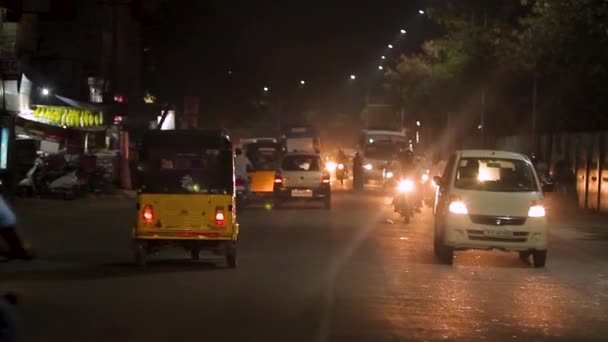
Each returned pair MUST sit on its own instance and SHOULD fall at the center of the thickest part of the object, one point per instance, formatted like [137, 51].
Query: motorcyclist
[8, 231]
[342, 158]
[409, 170]
[358, 172]
[242, 165]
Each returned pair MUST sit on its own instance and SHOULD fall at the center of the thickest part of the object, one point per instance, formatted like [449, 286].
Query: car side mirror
[548, 187]
[437, 180]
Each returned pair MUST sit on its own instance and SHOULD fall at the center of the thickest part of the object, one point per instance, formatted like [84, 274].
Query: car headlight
[425, 177]
[368, 167]
[458, 207]
[405, 186]
[389, 175]
[536, 211]
[331, 166]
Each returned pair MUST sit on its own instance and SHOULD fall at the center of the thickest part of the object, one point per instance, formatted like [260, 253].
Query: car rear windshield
[500, 175]
[302, 163]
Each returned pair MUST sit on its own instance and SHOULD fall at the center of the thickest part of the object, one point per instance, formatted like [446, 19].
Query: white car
[302, 177]
[490, 200]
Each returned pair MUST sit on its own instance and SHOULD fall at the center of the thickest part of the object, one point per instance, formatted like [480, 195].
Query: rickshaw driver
[242, 165]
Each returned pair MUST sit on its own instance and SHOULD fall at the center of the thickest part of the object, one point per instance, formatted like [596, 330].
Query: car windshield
[302, 163]
[382, 151]
[500, 175]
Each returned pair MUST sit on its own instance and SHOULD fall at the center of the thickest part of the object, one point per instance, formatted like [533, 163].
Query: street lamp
[403, 31]
[353, 77]
[383, 57]
[302, 82]
[421, 11]
[380, 67]
[46, 91]
[266, 89]
[390, 46]
[418, 123]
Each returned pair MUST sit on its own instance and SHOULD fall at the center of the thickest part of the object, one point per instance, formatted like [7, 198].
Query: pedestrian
[357, 172]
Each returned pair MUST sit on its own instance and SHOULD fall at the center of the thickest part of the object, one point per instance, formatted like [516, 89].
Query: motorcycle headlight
[425, 177]
[340, 166]
[389, 175]
[331, 166]
[368, 167]
[405, 186]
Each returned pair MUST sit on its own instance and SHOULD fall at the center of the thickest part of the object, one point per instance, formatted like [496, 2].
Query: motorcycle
[242, 194]
[406, 201]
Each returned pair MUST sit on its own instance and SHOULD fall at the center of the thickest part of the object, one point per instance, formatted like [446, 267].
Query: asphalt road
[350, 274]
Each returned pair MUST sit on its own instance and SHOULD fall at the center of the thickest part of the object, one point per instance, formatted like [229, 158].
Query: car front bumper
[461, 232]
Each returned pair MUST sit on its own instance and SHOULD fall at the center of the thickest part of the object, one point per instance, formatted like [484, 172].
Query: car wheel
[444, 253]
[140, 254]
[525, 256]
[539, 258]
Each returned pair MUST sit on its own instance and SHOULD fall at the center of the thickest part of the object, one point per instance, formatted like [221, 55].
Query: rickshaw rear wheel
[231, 255]
[140, 254]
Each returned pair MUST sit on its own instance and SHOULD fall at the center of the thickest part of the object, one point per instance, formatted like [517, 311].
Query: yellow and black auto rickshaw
[265, 156]
[186, 194]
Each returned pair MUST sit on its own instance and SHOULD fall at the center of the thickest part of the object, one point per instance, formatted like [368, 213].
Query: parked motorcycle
[406, 201]
[41, 181]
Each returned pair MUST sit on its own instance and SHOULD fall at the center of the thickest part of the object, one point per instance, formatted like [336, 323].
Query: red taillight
[219, 216]
[325, 179]
[239, 182]
[148, 213]
[278, 179]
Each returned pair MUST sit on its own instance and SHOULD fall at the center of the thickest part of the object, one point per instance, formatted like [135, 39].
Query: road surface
[350, 274]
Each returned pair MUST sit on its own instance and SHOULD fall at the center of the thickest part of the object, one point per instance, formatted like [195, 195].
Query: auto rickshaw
[186, 194]
[264, 156]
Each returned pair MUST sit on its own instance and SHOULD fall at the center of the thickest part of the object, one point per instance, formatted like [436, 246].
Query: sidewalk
[565, 213]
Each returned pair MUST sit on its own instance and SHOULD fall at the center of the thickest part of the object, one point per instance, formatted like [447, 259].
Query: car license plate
[301, 193]
[498, 233]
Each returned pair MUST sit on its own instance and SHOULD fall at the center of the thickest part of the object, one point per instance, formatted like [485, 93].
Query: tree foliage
[503, 47]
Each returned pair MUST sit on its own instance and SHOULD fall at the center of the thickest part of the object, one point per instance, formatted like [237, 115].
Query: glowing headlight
[340, 166]
[368, 167]
[536, 211]
[458, 207]
[331, 166]
[405, 186]
[425, 177]
[389, 175]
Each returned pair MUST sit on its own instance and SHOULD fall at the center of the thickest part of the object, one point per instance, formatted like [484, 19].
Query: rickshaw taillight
[148, 213]
[219, 216]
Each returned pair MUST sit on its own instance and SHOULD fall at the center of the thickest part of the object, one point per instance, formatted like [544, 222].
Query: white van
[490, 200]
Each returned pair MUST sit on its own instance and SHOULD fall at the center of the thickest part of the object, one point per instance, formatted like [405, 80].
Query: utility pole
[534, 109]
[483, 91]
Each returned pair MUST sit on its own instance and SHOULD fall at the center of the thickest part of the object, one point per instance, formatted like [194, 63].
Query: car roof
[384, 132]
[492, 154]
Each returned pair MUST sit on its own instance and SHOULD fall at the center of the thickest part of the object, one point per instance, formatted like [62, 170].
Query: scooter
[406, 201]
[29, 186]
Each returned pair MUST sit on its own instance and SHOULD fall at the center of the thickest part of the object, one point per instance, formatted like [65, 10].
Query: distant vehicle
[490, 200]
[380, 150]
[301, 139]
[302, 176]
[259, 140]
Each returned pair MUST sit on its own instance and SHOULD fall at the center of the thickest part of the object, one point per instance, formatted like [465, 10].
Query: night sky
[279, 43]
